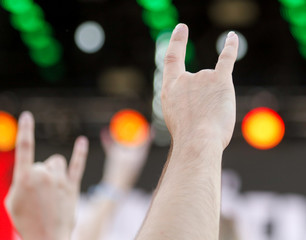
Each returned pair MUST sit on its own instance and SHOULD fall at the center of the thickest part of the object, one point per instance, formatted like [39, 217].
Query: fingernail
[179, 27]
[231, 34]
[26, 117]
[83, 141]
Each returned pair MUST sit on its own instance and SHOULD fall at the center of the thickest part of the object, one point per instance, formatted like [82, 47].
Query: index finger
[174, 62]
[25, 144]
[228, 55]
[78, 160]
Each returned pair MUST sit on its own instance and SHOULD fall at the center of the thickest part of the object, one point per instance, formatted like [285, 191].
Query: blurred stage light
[122, 81]
[17, 6]
[28, 17]
[161, 20]
[129, 127]
[156, 5]
[295, 16]
[8, 131]
[233, 13]
[89, 37]
[39, 38]
[30, 20]
[263, 128]
[293, 3]
[243, 44]
[47, 56]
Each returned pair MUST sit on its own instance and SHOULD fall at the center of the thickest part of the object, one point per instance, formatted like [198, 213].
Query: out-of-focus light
[233, 13]
[161, 49]
[292, 3]
[299, 33]
[162, 43]
[17, 6]
[156, 5]
[243, 44]
[39, 38]
[89, 37]
[129, 127]
[295, 16]
[47, 56]
[8, 131]
[263, 128]
[302, 50]
[30, 20]
[161, 20]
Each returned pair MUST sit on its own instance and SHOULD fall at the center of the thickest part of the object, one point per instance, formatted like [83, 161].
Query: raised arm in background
[122, 167]
[199, 110]
[43, 195]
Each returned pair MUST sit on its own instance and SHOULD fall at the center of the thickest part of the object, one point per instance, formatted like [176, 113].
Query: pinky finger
[78, 160]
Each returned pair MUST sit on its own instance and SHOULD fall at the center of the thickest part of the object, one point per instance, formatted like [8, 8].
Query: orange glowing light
[263, 128]
[129, 127]
[8, 131]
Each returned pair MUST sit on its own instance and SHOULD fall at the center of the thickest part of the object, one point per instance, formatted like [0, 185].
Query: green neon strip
[17, 6]
[30, 20]
[39, 38]
[47, 56]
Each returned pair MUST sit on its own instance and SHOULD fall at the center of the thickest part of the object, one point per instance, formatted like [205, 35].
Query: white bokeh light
[243, 44]
[89, 37]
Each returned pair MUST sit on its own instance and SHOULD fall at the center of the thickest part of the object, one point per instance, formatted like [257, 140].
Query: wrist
[196, 148]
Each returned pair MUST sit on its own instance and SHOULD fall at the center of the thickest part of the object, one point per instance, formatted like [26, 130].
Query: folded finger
[57, 164]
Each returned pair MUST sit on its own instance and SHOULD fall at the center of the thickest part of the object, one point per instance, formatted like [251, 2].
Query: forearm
[187, 204]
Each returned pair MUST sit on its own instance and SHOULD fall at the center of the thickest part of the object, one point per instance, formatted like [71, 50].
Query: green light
[292, 3]
[296, 16]
[17, 6]
[48, 56]
[299, 33]
[165, 19]
[38, 39]
[30, 20]
[154, 5]
[190, 52]
[302, 49]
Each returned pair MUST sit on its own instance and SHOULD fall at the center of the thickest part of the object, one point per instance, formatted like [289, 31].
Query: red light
[8, 131]
[129, 127]
[263, 128]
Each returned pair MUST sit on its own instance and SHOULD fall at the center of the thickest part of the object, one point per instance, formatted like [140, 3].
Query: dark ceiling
[272, 59]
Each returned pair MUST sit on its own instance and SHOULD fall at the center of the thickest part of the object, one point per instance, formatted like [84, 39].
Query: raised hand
[123, 164]
[43, 195]
[201, 104]
[199, 110]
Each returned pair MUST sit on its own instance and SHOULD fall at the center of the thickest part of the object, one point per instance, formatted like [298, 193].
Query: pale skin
[43, 196]
[122, 167]
[199, 110]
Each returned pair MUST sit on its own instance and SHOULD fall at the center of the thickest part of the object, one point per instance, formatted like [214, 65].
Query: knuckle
[42, 174]
[61, 183]
[170, 58]
[206, 74]
[59, 160]
[24, 144]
